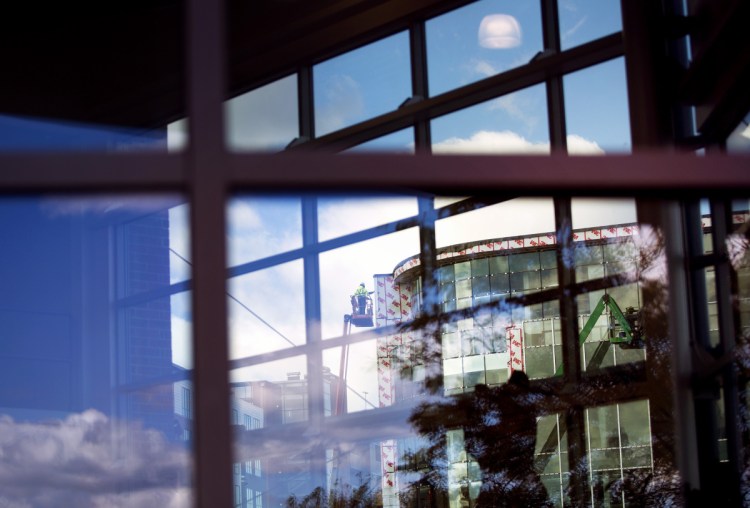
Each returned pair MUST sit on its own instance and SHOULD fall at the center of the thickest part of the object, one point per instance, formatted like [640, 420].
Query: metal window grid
[208, 174]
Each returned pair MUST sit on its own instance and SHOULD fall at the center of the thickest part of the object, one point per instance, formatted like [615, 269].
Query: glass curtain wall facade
[215, 354]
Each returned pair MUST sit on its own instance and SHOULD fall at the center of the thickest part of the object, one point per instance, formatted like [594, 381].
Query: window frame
[208, 174]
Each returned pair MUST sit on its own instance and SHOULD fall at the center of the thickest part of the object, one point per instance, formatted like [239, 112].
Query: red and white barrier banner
[389, 469]
[506, 244]
[514, 336]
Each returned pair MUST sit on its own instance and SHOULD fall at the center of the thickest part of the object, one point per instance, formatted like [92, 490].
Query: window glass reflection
[582, 21]
[264, 119]
[261, 226]
[95, 388]
[266, 310]
[338, 216]
[32, 133]
[513, 123]
[596, 109]
[397, 142]
[480, 40]
[361, 84]
[404, 394]
[343, 271]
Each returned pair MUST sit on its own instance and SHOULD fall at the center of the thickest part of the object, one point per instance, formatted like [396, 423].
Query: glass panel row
[97, 364]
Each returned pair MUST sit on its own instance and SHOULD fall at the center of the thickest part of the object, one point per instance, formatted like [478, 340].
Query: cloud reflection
[89, 460]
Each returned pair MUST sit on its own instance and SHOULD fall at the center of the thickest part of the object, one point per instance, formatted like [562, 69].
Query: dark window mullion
[431, 305]
[419, 84]
[721, 214]
[554, 84]
[208, 186]
[315, 388]
[306, 102]
[571, 350]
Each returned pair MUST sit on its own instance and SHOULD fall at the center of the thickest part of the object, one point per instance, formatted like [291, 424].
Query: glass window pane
[739, 140]
[95, 364]
[511, 223]
[397, 142]
[513, 123]
[480, 40]
[264, 119]
[266, 310]
[362, 84]
[582, 21]
[338, 216]
[606, 236]
[370, 262]
[259, 226]
[596, 109]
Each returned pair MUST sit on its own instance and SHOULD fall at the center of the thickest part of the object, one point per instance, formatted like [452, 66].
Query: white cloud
[264, 118]
[87, 459]
[341, 270]
[569, 6]
[262, 226]
[339, 216]
[276, 295]
[484, 68]
[508, 142]
[597, 212]
[516, 217]
[516, 107]
[483, 142]
[341, 104]
[581, 146]
[571, 31]
[499, 31]
[243, 216]
[182, 342]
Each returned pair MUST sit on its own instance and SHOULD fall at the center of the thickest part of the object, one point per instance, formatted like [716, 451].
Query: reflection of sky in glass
[457, 49]
[265, 118]
[87, 344]
[270, 371]
[262, 226]
[595, 212]
[509, 124]
[596, 105]
[585, 20]
[516, 217]
[266, 310]
[398, 142]
[179, 244]
[182, 329]
[342, 270]
[361, 375]
[739, 140]
[338, 216]
[27, 133]
[361, 84]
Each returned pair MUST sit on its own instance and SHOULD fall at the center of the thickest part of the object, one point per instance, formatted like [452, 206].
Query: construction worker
[361, 294]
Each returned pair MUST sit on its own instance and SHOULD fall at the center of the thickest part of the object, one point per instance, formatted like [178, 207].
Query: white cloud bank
[88, 460]
[508, 142]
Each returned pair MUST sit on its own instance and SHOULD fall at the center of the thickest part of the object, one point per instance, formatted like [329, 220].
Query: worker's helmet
[362, 284]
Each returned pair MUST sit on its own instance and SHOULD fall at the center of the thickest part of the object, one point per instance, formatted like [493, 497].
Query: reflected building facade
[493, 333]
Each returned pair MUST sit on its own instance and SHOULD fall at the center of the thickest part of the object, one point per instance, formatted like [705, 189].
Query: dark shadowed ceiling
[122, 63]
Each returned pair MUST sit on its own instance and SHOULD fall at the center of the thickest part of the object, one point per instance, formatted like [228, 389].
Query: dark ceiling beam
[263, 50]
